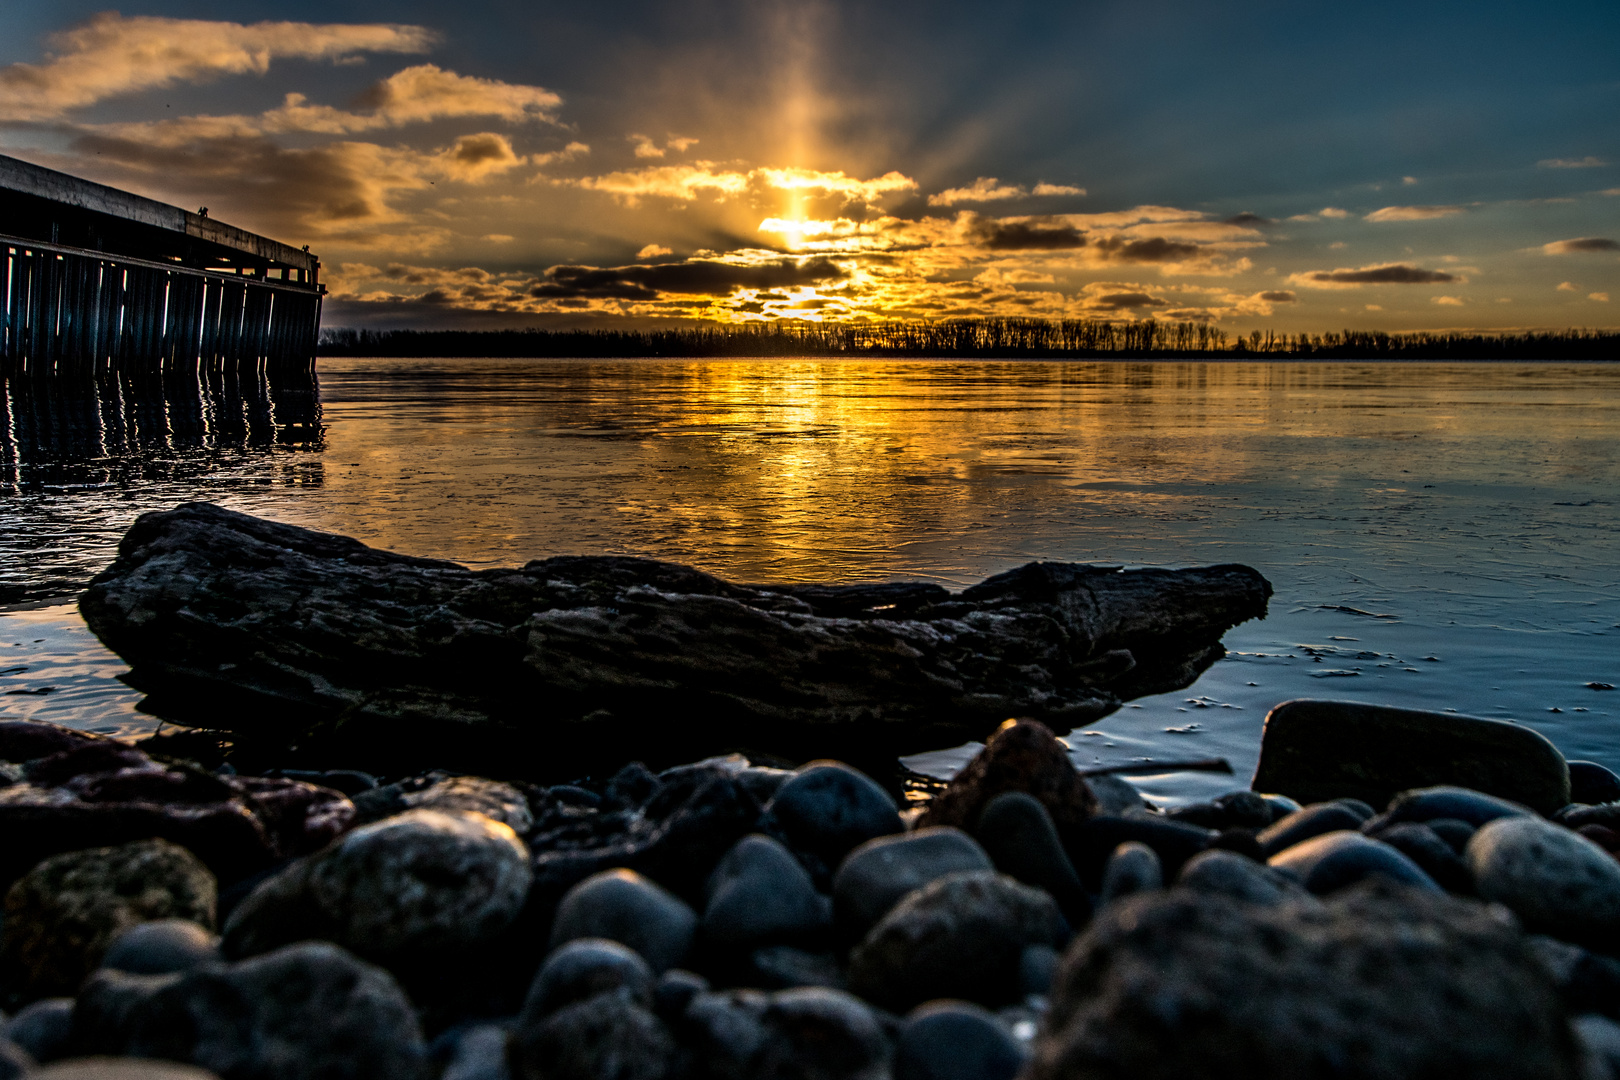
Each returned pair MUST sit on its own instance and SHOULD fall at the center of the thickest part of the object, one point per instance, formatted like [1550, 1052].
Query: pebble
[119, 1069]
[826, 810]
[607, 1036]
[480, 1054]
[675, 990]
[1455, 833]
[1463, 804]
[584, 968]
[1020, 838]
[1227, 874]
[1432, 855]
[1327, 863]
[1591, 783]
[1313, 820]
[1115, 796]
[1092, 843]
[15, 1062]
[761, 894]
[44, 1029]
[421, 881]
[875, 876]
[1022, 755]
[1556, 881]
[955, 1040]
[813, 1033]
[1240, 809]
[782, 967]
[625, 906]
[1132, 868]
[962, 935]
[473, 794]
[1281, 806]
[63, 914]
[1037, 966]
[724, 1032]
[161, 947]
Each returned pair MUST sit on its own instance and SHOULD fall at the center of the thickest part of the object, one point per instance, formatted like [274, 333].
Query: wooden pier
[94, 280]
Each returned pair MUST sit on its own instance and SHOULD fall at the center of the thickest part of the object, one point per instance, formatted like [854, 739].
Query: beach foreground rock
[230, 621]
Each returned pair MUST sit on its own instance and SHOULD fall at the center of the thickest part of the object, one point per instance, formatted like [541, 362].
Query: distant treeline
[984, 338]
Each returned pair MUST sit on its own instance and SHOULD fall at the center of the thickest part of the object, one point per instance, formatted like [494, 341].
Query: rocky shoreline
[725, 919]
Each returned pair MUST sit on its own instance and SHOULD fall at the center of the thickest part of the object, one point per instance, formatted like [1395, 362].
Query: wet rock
[1091, 845]
[1432, 855]
[305, 1012]
[63, 914]
[1599, 1039]
[960, 936]
[1036, 968]
[1460, 804]
[675, 990]
[1132, 868]
[1377, 981]
[605, 1037]
[1019, 836]
[1455, 833]
[876, 875]
[1327, 863]
[29, 740]
[1314, 751]
[782, 967]
[1115, 796]
[584, 968]
[1022, 755]
[161, 947]
[420, 882]
[1236, 809]
[15, 1062]
[1591, 783]
[480, 1054]
[813, 1033]
[624, 906]
[1587, 981]
[725, 1032]
[44, 1029]
[120, 1069]
[1556, 881]
[1227, 874]
[760, 894]
[1281, 806]
[495, 800]
[1313, 820]
[826, 811]
[955, 1040]
[200, 602]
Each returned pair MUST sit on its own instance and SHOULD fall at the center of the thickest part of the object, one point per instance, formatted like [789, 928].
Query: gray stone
[1455, 833]
[1327, 863]
[15, 1062]
[119, 1069]
[624, 906]
[760, 894]
[586, 967]
[1037, 966]
[725, 1032]
[782, 967]
[1557, 881]
[876, 875]
[1319, 750]
[44, 1029]
[1313, 820]
[1115, 796]
[1599, 1038]
[162, 946]
[1378, 981]
[480, 1054]
[63, 914]
[1132, 868]
[962, 935]
[1281, 806]
[422, 881]
[675, 990]
[474, 794]
[813, 1033]
[1426, 804]
[1020, 837]
[955, 1040]
[1432, 855]
[827, 810]
[605, 1037]
[1228, 874]
[1234, 810]
[1592, 783]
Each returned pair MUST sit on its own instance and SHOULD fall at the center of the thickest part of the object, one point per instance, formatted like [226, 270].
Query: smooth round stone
[586, 967]
[1115, 795]
[1433, 855]
[44, 1029]
[1455, 833]
[955, 1040]
[724, 1031]
[818, 1032]
[480, 1054]
[829, 809]
[1132, 868]
[1236, 809]
[624, 906]
[605, 1036]
[1228, 874]
[14, 1061]
[1362, 810]
[1281, 806]
[1600, 1040]
[1327, 863]
[761, 894]
[476, 795]
[1300, 826]
[106, 1068]
[1018, 834]
[1556, 881]
[1425, 804]
[162, 946]
[675, 990]
[876, 875]
[1090, 845]
[1591, 783]
[1037, 966]
[782, 967]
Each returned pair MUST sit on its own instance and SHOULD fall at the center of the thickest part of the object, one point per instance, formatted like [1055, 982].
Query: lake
[1439, 535]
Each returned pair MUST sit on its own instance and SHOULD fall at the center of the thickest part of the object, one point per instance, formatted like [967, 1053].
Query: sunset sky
[490, 164]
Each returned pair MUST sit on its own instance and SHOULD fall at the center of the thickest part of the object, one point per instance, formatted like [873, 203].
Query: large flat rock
[233, 622]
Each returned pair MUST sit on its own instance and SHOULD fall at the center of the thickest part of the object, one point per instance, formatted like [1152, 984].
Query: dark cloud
[1153, 250]
[1249, 220]
[1035, 235]
[1397, 274]
[1279, 296]
[1585, 243]
[698, 276]
[1123, 301]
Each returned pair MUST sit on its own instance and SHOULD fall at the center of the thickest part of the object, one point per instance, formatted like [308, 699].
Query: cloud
[1448, 301]
[1034, 234]
[1044, 189]
[1586, 244]
[1278, 296]
[473, 157]
[1588, 162]
[653, 251]
[1567, 286]
[1413, 213]
[110, 55]
[1392, 274]
[1600, 297]
[498, 238]
[704, 277]
[1124, 301]
[1248, 220]
[1155, 249]
[427, 92]
[988, 189]
[689, 182]
[1333, 212]
[567, 153]
[1408, 180]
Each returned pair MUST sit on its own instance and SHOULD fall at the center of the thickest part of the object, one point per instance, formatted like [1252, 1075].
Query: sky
[506, 163]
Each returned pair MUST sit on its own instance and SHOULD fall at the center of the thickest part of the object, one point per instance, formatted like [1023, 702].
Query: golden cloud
[1414, 213]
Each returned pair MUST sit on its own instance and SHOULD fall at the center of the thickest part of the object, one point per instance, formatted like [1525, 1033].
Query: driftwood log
[272, 631]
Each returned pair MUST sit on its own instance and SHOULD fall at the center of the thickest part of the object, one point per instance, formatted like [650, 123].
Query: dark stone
[1376, 982]
[760, 894]
[605, 1037]
[1227, 874]
[27, 740]
[1237, 809]
[1281, 806]
[624, 906]
[1577, 814]
[161, 947]
[1022, 755]
[1454, 832]
[1556, 881]
[1090, 846]
[955, 1040]
[1243, 842]
[1432, 855]
[480, 1054]
[1036, 969]
[1426, 804]
[476, 795]
[782, 967]
[724, 1032]
[1327, 863]
[584, 968]
[1314, 751]
[1313, 820]
[813, 1033]
[1132, 868]
[675, 990]
[15, 1062]
[119, 1069]
[1591, 783]
[876, 875]
[960, 936]
[1588, 981]
[62, 915]
[44, 1029]
[230, 619]
[1021, 839]
[826, 811]
[1115, 796]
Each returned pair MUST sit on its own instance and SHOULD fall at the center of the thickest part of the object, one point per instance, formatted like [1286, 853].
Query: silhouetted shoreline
[1033, 339]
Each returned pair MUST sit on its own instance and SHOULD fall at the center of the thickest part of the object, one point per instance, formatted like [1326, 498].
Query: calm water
[1443, 536]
